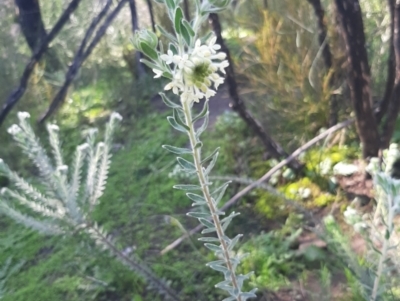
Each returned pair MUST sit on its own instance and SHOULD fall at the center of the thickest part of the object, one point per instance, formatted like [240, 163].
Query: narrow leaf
[210, 239]
[187, 187]
[203, 127]
[188, 28]
[219, 192]
[195, 197]
[177, 20]
[186, 35]
[175, 125]
[212, 163]
[185, 164]
[213, 247]
[150, 64]
[150, 52]
[217, 267]
[234, 241]
[208, 158]
[208, 230]
[168, 102]
[203, 112]
[199, 214]
[179, 120]
[206, 223]
[166, 34]
[177, 150]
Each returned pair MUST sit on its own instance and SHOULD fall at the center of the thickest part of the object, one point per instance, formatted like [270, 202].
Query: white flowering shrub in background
[62, 200]
[192, 65]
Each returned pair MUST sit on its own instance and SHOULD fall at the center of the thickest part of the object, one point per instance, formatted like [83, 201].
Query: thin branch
[271, 146]
[264, 178]
[82, 55]
[17, 93]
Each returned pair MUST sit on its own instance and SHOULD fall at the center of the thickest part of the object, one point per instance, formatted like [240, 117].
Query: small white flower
[211, 44]
[23, 115]
[158, 73]
[168, 58]
[14, 129]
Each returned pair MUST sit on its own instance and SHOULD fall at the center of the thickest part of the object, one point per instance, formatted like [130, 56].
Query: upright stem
[384, 251]
[207, 195]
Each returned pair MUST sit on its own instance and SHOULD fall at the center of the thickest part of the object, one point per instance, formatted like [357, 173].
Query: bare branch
[82, 54]
[17, 93]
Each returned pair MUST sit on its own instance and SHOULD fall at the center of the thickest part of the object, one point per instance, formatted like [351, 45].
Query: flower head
[195, 72]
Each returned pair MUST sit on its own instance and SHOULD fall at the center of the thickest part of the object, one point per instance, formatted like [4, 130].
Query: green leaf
[150, 64]
[199, 214]
[185, 164]
[210, 156]
[173, 48]
[203, 127]
[219, 192]
[188, 28]
[203, 112]
[187, 187]
[166, 34]
[208, 230]
[175, 125]
[210, 239]
[169, 103]
[150, 52]
[177, 150]
[170, 4]
[227, 220]
[213, 247]
[179, 120]
[212, 163]
[234, 241]
[178, 18]
[218, 267]
[195, 197]
[206, 223]
[186, 35]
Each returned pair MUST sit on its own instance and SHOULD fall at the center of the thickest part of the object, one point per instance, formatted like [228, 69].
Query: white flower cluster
[195, 72]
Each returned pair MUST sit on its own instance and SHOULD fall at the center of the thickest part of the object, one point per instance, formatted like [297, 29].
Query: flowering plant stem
[207, 195]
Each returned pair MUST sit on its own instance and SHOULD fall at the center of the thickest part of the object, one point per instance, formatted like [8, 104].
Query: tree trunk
[327, 56]
[272, 147]
[135, 26]
[351, 23]
[387, 97]
[31, 23]
[394, 106]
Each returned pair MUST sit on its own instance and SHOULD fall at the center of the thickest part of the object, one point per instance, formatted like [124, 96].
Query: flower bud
[145, 36]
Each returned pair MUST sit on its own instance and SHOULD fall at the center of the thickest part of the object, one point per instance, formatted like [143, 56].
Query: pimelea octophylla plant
[193, 66]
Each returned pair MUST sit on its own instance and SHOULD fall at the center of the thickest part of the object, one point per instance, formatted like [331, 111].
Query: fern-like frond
[75, 182]
[94, 156]
[44, 227]
[28, 189]
[102, 175]
[55, 144]
[36, 207]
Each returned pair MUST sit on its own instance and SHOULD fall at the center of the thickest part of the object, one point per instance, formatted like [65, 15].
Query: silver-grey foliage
[63, 198]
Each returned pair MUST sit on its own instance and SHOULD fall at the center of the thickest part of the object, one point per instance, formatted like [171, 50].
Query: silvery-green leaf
[168, 102]
[234, 241]
[196, 198]
[217, 267]
[187, 187]
[219, 192]
[173, 48]
[208, 230]
[245, 296]
[186, 35]
[206, 223]
[227, 220]
[150, 52]
[213, 247]
[203, 127]
[175, 125]
[203, 112]
[225, 285]
[178, 119]
[208, 158]
[188, 28]
[150, 64]
[185, 164]
[199, 214]
[210, 239]
[170, 4]
[212, 163]
[177, 21]
[166, 34]
[177, 150]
